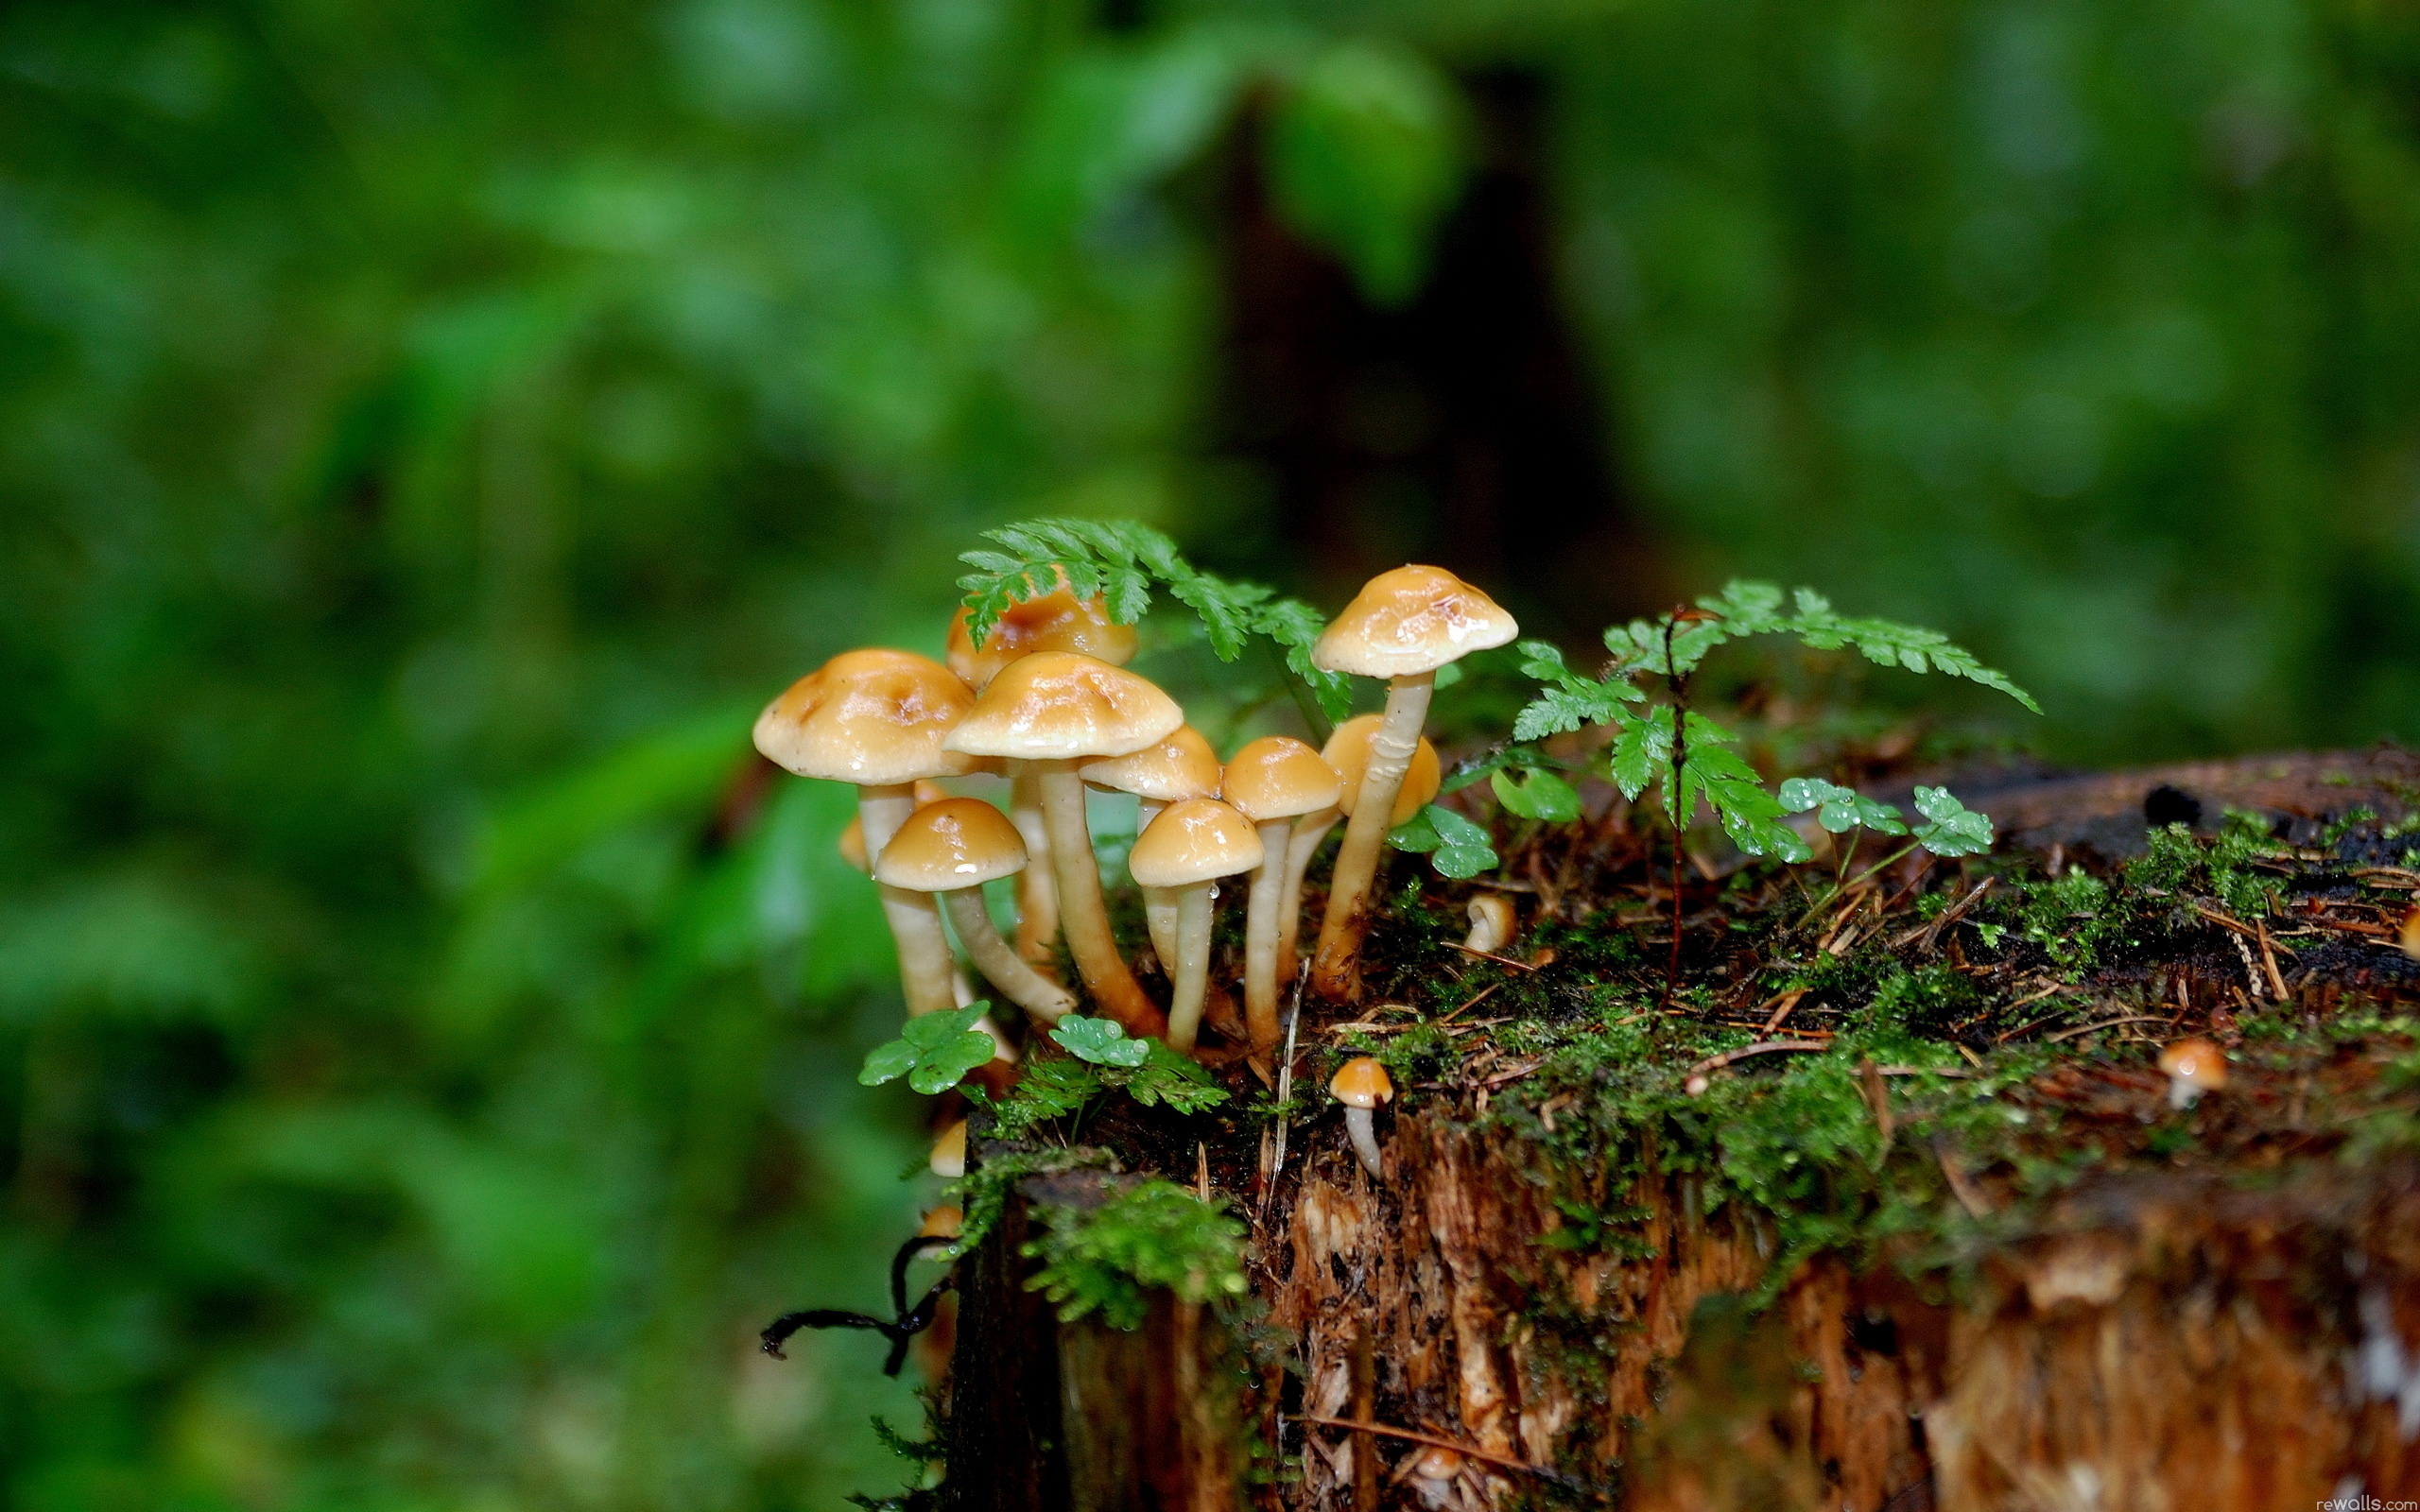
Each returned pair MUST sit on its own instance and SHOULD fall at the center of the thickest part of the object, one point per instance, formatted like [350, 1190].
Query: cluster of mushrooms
[1045, 702]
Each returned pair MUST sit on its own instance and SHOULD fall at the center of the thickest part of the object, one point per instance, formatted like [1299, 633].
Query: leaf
[1891, 643]
[1174, 1079]
[934, 1050]
[1748, 813]
[1099, 1041]
[1049, 1089]
[1839, 809]
[1951, 829]
[1571, 701]
[1640, 751]
[1540, 795]
[1455, 846]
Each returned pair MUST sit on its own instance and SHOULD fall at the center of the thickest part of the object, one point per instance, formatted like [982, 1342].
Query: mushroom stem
[1261, 928]
[1037, 895]
[1019, 983]
[1309, 832]
[1159, 903]
[926, 969]
[1336, 970]
[1360, 1128]
[1080, 913]
[1191, 970]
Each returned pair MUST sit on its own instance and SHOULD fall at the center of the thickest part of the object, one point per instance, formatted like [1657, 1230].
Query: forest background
[429, 431]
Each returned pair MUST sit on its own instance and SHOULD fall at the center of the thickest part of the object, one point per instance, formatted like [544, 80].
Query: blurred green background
[427, 431]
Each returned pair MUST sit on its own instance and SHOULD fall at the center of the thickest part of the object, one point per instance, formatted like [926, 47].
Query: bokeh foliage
[427, 430]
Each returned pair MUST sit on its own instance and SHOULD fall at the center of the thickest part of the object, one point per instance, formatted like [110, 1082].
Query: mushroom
[1271, 781]
[1053, 709]
[1403, 626]
[2409, 936]
[879, 720]
[944, 1222]
[1491, 923]
[1056, 621]
[2194, 1067]
[1179, 767]
[1189, 847]
[1348, 751]
[852, 839]
[953, 848]
[1433, 1472]
[1361, 1084]
[948, 1160]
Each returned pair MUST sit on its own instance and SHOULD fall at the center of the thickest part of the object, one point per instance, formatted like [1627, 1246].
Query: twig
[1768, 1047]
[2268, 960]
[1414, 1435]
[1500, 960]
[1878, 1098]
[2105, 1024]
[2223, 920]
[1285, 1090]
[1788, 1002]
[1961, 1186]
[1957, 911]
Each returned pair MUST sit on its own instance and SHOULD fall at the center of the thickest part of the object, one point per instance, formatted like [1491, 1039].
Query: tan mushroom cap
[1361, 1082]
[1194, 841]
[1277, 777]
[1061, 705]
[943, 1222]
[959, 842]
[1412, 619]
[869, 717]
[1348, 751]
[852, 839]
[1056, 621]
[948, 1160]
[2196, 1061]
[1181, 766]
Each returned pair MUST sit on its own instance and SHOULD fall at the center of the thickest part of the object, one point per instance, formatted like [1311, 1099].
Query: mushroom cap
[949, 1152]
[2197, 1061]
[2409, 936]
[1056, 621]
[1361, 1082]
[868, 717]
[959, 842]
[943, 1222]
[1412, 619]
[1277, 777]
[1193, 841]
[852, 839]
[1063, 705]
[1348, 751]
[1181, 766]
[1437, 1464]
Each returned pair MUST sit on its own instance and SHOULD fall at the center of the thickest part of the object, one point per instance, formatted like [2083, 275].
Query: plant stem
[1673, 797]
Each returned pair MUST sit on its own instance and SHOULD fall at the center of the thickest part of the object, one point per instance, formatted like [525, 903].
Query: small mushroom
[1053, 709]
[1056, 621]
[2409, 936]
[2194, 1067]
[1179, 767]
[1187, 849]
[852, 839]
[1433, 1473]
[1403, 626]
[1272, 782]
[1348, 751]
[948, 1160]
[953, 848]
[1361, 1084]
[879, 720]
[944, 1222]
[1491, 923]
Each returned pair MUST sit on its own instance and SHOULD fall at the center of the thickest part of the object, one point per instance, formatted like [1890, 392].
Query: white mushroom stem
[1309, 832]
[1336, 970]
[1019, 983]
[1360, 1127]
[1491, 923]
[1081, 916]
[1037, 894]
[926, 969]
[1261, 930]
[1159, 903]
[1191, 970]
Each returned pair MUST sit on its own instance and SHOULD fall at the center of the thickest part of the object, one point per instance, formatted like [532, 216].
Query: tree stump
[2222, 1313]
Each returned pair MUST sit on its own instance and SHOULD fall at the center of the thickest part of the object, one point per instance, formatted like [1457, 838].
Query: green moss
[1150, 1235]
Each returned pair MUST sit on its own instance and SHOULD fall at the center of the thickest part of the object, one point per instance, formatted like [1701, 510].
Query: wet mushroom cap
[875, 718]
[2409, 937]
[943, 1222]
[1061, 706]
[1179, 767]
[948, 1160]
[1056, 621]
[1194, 841]
[1412, 620]
[1348, 751]
[2197, 1061]
[1361, 1082]
[959, 842]
[1437, 1464]
[1277, 777]
[852, 839]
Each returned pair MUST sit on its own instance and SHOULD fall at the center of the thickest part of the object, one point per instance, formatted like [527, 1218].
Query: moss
[1150, 1235]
